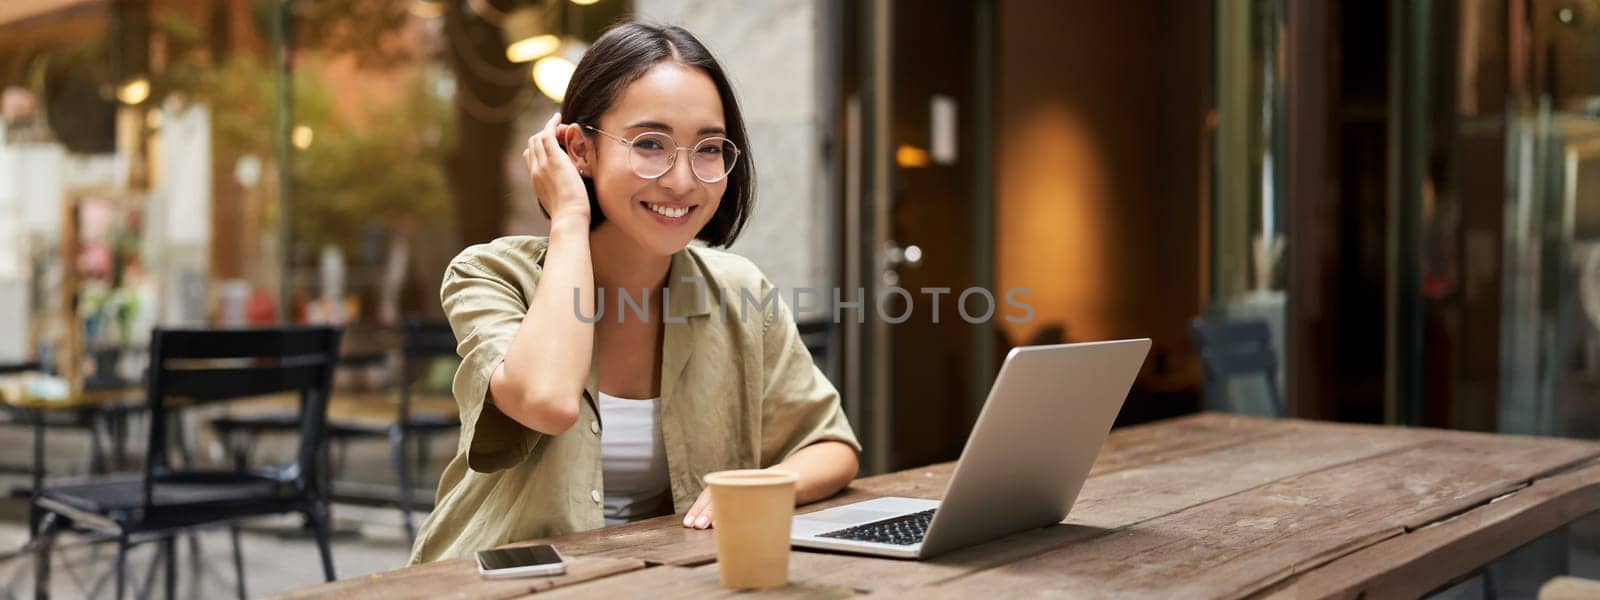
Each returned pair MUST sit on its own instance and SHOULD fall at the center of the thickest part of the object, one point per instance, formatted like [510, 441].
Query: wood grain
[664, 540]
[459, 578]
[1241, 544]
[1119, 499]
[1209, 506]
[1413, 564]
[1151, 443]
[670, 583]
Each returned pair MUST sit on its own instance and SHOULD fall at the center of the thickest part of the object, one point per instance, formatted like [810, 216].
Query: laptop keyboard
[904, 530]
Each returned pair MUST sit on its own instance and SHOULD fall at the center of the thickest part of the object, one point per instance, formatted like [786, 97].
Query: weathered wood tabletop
[1205, 506]
[13, 394]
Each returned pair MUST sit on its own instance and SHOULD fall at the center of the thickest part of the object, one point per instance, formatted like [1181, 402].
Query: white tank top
[633, 460]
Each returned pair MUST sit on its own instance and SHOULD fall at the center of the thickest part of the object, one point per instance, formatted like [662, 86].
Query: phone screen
[511, 558]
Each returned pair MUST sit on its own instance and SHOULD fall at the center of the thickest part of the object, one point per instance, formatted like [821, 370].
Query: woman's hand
[555, 179]
[540, 380]
[821, 470]
[699, 516]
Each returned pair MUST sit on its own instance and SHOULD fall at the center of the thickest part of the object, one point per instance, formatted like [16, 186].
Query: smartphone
[525, 561]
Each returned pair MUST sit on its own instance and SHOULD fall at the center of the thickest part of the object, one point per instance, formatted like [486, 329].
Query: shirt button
[594, 426]
[595, 494]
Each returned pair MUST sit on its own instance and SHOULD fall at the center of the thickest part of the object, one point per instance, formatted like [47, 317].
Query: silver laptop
[1029, 453]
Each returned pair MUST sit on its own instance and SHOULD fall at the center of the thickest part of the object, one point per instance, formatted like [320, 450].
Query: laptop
[1038, 434]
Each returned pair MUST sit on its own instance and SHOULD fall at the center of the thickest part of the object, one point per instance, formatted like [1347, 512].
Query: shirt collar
[691, 293]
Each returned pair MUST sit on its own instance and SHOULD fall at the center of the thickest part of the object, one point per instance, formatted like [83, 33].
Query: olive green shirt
[737, 391]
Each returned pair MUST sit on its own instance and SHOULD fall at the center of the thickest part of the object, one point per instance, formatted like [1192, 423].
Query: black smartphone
[524, 561]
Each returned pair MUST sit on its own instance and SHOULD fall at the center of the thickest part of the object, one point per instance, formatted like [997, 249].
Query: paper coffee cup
[752, 509]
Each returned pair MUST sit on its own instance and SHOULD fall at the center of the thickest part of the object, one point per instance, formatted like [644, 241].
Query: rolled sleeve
[800, 406]
[484, 310]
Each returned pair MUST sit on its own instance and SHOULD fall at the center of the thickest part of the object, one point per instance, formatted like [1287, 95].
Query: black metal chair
[1233, 349]
[422, 342]
[815, 334]
[240, 433]
[198, 367]
[110, 417]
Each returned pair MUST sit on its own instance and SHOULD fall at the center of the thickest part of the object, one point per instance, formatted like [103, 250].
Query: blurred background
[1393, 199]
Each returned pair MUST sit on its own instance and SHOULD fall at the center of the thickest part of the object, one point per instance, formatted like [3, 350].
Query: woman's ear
[578, 148]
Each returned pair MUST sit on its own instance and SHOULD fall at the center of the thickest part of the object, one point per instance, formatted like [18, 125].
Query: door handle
[892, 256]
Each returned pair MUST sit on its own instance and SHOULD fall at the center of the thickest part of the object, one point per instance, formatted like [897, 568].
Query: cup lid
[751, 477]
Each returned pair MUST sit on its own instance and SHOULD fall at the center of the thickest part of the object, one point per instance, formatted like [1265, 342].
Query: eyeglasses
[652, 153]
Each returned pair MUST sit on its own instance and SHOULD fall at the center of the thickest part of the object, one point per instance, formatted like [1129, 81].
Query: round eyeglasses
[652, 153]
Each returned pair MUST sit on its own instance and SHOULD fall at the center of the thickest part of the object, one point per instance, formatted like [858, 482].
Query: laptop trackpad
[848, 515]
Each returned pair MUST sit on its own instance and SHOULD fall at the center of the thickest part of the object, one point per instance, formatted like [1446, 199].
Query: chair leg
[122, 565]
[180, 436]
[238, 560]
[197, 559]
[420, 467]
[149, 586]
[224, 440]
[317, 514]
[397, 447]
[119, 438]
[169, 547]
[97, 451]
[338, 449]
[44, 542]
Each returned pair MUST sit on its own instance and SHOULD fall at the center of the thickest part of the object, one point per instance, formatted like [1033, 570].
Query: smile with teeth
[671, 212]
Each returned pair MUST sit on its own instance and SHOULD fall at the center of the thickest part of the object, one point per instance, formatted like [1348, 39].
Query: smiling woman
[659, 399]
[654, 84]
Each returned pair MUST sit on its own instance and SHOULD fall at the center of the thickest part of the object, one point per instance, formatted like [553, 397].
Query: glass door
[1550, 360]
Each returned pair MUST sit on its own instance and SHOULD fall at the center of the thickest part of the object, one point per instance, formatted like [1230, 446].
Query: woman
[582, 408]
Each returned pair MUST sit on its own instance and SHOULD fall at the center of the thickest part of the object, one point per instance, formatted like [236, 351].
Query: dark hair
[622, 55]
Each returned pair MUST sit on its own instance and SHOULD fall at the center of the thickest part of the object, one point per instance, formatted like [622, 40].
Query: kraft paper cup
[751, 510]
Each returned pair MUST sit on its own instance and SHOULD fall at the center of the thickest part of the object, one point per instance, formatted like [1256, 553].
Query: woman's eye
[711, 149]
[647, 145]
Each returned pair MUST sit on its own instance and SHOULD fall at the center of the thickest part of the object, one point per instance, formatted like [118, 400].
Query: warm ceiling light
[426, 9]
[910, 156]
[134, 92]
[551, 74]
[584, 2]
[301, 137]
[526, 33]
[532, 48]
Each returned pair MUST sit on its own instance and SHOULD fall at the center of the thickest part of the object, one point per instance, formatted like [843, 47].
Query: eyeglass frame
[672, 162]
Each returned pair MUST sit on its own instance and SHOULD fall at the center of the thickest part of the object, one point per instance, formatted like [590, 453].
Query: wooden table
[84, 406]
[1207, 506]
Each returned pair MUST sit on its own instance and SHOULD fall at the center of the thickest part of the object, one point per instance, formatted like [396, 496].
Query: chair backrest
[422, 341]
[428, 339]
[202, 366]
[815, 334]
[18, 367]
[1237, 348]
[107, 360]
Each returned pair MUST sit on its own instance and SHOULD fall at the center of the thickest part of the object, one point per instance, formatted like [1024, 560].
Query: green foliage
[385, 171]
[364, 29]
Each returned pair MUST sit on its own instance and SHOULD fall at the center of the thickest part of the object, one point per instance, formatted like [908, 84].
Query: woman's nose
[679, 178]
